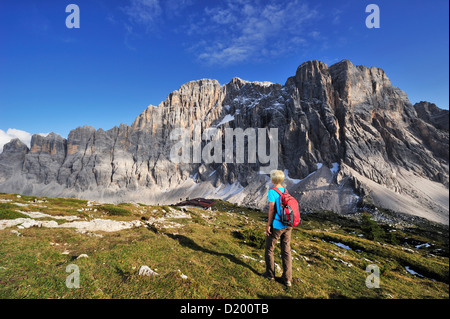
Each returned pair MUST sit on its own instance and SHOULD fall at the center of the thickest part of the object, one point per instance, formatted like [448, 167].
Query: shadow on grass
[70, 258]
[189, 243]
[125, 275]
[274, 296]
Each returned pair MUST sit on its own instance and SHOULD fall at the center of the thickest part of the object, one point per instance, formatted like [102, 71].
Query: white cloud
[315, 34]
[336, 15]
[229, 31]
[152, 13]
[145, 12]
[174, 8]
[241, 31]
[12, 133]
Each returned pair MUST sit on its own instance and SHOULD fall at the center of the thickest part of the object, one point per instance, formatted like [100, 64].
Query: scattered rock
[42, 215]
[183, 276]
[146, 271]
[16, 233]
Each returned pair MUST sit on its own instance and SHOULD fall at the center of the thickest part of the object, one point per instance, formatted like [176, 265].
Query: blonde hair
[277, 176]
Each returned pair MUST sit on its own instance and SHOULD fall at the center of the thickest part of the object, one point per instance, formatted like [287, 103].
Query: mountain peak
[346, 138]
[14, 145]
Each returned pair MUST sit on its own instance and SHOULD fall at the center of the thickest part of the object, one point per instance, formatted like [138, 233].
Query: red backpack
[290, 214]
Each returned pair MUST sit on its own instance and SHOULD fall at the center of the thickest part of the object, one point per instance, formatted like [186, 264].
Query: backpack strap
[277, 213]
[279, 192]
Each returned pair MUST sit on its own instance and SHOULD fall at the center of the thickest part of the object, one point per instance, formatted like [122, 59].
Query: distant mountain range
[346, 137]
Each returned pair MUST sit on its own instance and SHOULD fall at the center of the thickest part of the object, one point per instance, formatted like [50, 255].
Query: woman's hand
[270, 218]
[268, 232]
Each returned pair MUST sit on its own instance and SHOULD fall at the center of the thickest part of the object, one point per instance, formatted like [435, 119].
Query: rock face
[346, 136]
[433, 115]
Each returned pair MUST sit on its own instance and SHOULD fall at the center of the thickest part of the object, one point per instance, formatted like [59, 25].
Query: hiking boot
[267, 276]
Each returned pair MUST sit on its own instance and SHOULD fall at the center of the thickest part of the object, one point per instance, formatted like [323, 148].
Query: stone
[146, 271]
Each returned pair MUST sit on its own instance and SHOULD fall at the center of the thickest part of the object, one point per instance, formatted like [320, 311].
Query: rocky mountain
[346, 136]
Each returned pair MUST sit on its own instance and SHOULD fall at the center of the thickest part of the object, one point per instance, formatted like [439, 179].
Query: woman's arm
[270, 220]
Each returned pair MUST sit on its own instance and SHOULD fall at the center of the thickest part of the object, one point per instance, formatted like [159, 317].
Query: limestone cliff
[346, 136]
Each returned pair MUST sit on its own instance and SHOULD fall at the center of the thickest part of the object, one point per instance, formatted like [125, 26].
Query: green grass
[114, 210]
[10, 214]
[9, 206]
[253, 237]
[220, 251]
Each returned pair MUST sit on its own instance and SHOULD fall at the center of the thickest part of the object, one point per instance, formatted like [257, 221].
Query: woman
[276, 230]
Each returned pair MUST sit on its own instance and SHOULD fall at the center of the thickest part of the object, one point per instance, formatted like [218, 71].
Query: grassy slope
[212, 250]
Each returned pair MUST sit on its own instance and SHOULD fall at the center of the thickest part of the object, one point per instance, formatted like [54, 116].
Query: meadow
[207, 254]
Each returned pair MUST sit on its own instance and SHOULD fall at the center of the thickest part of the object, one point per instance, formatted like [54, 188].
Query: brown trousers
[285, 237]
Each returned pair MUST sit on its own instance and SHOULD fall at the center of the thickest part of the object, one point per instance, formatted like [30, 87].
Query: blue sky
[131, 53]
